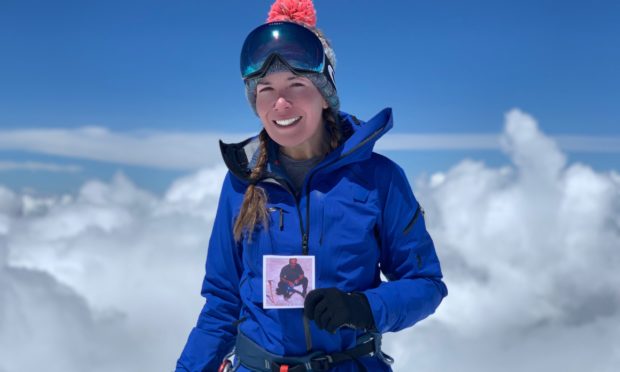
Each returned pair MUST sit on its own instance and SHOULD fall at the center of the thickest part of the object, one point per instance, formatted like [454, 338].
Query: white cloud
[192, 151]
[574, 143]
[434, 141]
[481, 141]
[109, 278]
[37, 166]
[180, 151]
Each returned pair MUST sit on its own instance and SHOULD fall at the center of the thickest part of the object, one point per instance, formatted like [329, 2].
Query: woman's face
[290, 108]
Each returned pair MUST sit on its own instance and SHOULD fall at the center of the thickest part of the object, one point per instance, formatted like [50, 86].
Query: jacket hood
[359, 139]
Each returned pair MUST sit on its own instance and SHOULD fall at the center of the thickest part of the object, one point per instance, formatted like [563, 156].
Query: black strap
[353, 353]
[325, 362]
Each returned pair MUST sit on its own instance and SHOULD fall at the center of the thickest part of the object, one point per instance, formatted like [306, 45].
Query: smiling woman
[291, 110]
[310, 188]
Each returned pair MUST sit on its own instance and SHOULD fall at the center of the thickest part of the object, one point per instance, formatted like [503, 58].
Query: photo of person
[287, 280]
[291, 276]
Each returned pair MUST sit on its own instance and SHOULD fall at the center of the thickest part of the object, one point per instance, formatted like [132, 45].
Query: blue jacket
[356, 214]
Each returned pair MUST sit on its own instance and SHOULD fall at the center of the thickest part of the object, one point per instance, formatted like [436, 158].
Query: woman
[309, 186]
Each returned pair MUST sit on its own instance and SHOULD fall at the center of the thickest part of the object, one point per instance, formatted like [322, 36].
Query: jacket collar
[358, 142]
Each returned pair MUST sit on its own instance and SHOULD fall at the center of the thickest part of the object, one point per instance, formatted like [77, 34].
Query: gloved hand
[332, 308]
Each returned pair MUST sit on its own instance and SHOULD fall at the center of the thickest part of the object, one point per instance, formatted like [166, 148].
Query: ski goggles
[296, 46]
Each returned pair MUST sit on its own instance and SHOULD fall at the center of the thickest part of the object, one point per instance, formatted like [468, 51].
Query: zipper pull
[304, 244]
[281, 219]
[273, 209]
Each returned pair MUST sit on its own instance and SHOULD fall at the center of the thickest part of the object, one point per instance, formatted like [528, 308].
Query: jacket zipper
[305, 237]
[304, 249]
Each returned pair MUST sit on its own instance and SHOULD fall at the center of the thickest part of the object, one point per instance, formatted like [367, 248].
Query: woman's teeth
[287, 122]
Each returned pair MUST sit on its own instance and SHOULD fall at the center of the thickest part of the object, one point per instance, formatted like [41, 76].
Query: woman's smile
[288, 122]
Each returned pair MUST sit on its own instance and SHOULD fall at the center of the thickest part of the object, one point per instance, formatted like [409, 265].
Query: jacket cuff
[378, 309]
[369, 313]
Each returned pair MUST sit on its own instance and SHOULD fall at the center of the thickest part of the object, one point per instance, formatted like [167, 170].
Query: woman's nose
[281, 104]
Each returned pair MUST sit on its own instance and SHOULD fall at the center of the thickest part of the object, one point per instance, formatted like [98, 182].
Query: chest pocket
[349, 219]
[281, 237]
[348, 216]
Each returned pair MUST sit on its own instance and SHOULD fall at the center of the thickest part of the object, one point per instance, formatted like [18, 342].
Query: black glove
[331, 308]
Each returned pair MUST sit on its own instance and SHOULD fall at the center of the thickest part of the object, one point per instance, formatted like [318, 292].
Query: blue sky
[172, 66]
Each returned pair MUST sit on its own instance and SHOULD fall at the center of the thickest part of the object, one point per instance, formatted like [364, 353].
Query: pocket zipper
[413, 220]
[273, 209]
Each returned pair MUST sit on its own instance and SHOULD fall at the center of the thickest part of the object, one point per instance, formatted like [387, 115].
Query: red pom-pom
[300, 11]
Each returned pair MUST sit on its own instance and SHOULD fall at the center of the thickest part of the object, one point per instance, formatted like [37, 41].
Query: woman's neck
[309, 149]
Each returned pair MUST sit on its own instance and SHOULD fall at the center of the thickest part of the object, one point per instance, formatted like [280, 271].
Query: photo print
[287, 280]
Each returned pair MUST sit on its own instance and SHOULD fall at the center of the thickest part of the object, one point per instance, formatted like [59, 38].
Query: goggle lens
[295, 44]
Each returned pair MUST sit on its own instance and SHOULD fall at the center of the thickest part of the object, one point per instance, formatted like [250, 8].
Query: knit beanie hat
[301, 12]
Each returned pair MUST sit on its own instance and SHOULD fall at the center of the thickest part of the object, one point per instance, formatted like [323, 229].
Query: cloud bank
[187, 151]
[38, 166]
[570, 143]
[105, 280]
[530, 254]
[177, 151]
[108, 279]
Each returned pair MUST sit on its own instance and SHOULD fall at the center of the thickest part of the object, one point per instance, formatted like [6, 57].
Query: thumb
[312, 299]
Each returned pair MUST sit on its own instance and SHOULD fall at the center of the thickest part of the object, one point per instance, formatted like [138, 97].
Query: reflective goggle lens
[297, 45]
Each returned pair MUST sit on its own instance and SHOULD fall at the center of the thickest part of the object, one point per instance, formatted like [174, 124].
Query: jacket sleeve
[214, 334]
[408, 260]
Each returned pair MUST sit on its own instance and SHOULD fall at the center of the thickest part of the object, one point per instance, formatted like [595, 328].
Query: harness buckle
[226, 366]
[322, 363]
[376, 337]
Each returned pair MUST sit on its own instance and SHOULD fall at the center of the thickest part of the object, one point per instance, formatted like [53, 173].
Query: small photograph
[286, 281]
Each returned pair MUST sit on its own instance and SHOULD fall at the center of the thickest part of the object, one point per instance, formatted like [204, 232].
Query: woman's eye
[297, 85]
[265, 89]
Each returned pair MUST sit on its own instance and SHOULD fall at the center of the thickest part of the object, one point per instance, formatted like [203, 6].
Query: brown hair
[254, 205]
